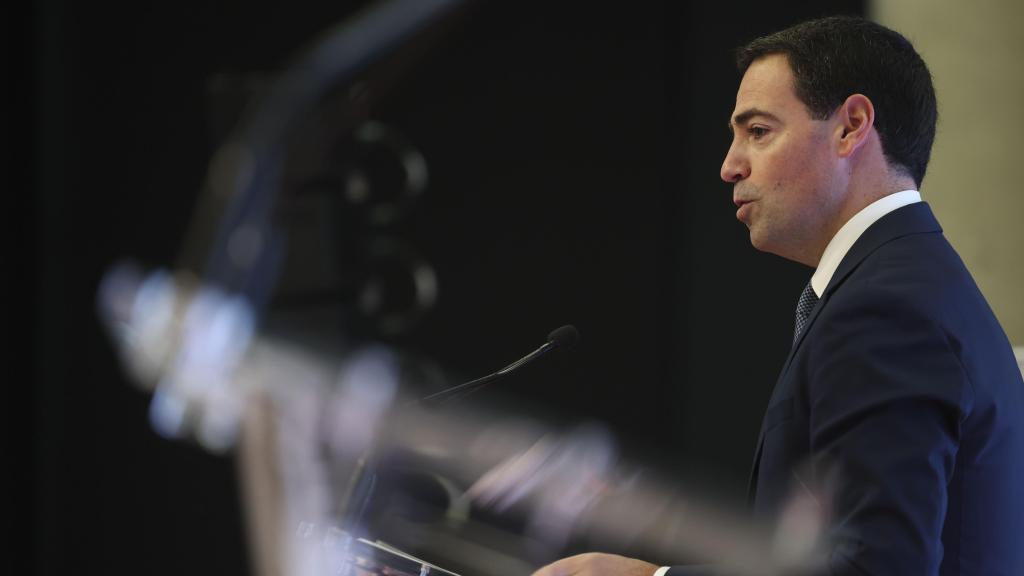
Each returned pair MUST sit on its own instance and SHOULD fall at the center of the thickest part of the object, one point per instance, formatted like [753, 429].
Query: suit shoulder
[919, 274]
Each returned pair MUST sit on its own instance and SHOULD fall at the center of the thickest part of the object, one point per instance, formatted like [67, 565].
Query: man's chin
[764, 244]
[758, 240]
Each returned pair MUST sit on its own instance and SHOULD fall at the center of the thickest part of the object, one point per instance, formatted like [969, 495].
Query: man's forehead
[765, 90]
[769, 70]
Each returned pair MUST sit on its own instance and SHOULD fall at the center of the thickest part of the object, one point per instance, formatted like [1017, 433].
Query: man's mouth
[743, 210]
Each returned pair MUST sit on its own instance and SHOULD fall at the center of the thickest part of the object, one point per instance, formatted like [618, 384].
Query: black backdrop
[573, 154]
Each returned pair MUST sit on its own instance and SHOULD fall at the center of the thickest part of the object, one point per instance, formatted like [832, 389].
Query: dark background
[574, 154]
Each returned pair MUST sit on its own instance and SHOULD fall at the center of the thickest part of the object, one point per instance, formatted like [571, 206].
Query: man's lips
[743, 209]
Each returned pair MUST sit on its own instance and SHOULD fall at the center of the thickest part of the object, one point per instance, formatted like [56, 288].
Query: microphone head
[565, 336]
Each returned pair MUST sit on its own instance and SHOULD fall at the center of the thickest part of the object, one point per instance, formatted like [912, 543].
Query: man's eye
[757, 132]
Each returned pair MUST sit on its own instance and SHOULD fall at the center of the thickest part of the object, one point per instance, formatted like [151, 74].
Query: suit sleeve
[887, 396]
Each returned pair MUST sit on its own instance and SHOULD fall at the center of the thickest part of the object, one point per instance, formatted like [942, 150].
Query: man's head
[829, 113]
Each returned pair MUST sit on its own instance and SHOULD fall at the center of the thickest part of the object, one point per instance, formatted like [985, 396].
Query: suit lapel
[752, 480]
[914, 218]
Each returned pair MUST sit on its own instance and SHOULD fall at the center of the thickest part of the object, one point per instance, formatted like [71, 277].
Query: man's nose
[735, 167]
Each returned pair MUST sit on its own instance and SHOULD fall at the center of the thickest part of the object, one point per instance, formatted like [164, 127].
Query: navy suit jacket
[903, 394]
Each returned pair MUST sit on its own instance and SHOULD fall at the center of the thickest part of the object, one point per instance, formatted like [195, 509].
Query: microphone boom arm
[560, 338]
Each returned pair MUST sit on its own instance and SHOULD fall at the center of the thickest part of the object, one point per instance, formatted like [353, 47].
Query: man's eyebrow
[745, 116]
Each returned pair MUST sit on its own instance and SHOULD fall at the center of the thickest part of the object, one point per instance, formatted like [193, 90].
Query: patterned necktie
[803, 309]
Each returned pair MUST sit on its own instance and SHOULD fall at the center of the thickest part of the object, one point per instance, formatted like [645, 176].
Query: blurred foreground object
[309, 422]
[311, 418]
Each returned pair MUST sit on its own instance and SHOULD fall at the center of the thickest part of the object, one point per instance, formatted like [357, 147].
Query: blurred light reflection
[333, 420]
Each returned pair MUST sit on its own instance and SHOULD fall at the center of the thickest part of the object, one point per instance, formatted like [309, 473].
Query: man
[900, 380]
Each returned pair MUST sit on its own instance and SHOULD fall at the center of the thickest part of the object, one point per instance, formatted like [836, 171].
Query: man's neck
[863, 192]
[852, 230]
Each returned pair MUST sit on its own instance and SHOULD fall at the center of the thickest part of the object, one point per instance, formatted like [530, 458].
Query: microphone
[563, 337]
[363, 483]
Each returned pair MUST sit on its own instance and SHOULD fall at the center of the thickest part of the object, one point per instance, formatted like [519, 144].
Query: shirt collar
[851, 231]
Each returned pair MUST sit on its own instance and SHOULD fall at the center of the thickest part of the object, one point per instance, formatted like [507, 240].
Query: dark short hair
[835, 57]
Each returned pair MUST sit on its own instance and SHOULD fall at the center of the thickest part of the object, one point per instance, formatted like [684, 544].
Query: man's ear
[856, 117]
